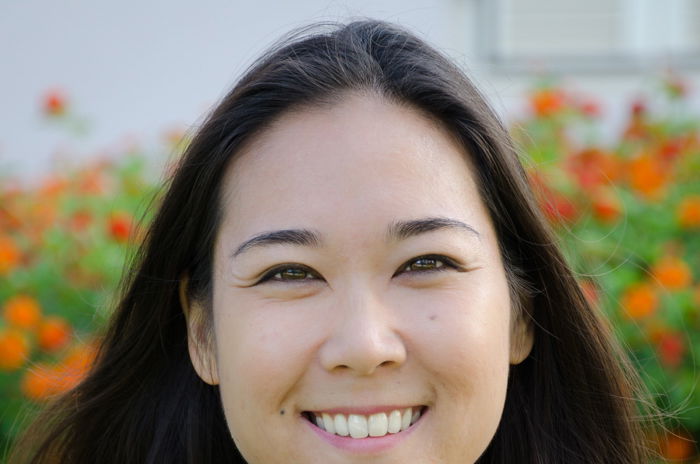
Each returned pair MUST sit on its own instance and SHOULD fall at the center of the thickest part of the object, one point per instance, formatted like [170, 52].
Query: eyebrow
[280, 237]
[401, 230]
[398, 230]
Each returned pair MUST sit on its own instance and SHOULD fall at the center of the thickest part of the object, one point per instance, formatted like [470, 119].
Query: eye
[428, 263]
[289, 273]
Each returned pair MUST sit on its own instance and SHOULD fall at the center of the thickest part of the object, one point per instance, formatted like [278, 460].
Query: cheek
[262, 353]
[467, 322]
[469, 348]
[260, 361]
[464, 341]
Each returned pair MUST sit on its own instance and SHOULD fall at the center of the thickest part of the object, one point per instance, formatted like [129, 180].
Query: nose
[363, 338]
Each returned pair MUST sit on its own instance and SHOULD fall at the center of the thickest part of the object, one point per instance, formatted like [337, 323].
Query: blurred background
[98, 99]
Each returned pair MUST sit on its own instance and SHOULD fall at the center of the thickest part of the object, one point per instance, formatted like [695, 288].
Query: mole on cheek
[282, 412]
[433, 317]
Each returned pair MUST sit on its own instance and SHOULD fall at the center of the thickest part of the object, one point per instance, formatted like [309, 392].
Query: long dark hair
[571, 401]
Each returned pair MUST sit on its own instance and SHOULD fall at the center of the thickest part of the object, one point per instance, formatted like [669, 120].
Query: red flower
[670, 149]
[671, 349]
[560, 209]
[590, 108]
[594, 166]
[120, 226]
[556, 206]
[55, 103]
[590, 291]
[638, 108]
[637, 128]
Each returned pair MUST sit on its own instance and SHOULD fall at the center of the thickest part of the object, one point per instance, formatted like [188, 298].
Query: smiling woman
[348, 266]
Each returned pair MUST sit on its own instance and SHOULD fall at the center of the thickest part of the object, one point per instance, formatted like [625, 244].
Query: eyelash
[446, 264]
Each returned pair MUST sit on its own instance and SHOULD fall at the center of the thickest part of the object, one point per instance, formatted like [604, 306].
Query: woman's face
[358, 283]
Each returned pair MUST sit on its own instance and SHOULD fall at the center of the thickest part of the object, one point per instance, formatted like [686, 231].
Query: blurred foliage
[627, 213]
[64, 241]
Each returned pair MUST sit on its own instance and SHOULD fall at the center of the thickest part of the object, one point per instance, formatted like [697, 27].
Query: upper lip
[364, 410]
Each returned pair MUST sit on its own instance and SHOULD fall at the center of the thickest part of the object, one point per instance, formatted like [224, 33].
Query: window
[590, 35]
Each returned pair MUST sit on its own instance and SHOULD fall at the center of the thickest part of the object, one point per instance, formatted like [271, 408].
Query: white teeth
[341, 425]
[328, 423]
[406, 419]
[375, 425]
[357, 425]
[415, 416]
[394, 421]
[319, 421]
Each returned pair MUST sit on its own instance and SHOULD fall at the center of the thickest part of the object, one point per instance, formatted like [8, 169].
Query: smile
[363, 426]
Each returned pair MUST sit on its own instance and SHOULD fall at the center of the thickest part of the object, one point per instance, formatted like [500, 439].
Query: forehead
[361, 158]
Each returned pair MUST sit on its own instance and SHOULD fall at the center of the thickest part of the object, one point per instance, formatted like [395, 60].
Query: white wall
[136, 68]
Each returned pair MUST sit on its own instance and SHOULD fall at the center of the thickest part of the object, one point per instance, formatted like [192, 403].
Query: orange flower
[92, 181]
[76, 366]
[43, 381]
[677, 447]
[53, 333]
[9, 219]
[673, 273]
[639, 301]
[546, 102]
[120, 226]
[80, 220]
[22, 311]
[14, 349]
[688, 211]
[9, 255]
[606, 206]
[43, 215]
[176, 138]
[39, 382]
[66, 378]
[52, 186]
[647, 176]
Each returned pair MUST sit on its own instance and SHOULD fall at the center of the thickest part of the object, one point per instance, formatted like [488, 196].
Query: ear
[202, 354]
[522, 336]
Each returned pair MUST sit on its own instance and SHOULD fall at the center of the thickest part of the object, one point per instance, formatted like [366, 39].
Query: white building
[134, 69]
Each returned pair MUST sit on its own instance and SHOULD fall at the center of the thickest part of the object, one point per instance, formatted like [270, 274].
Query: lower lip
[367, 445]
